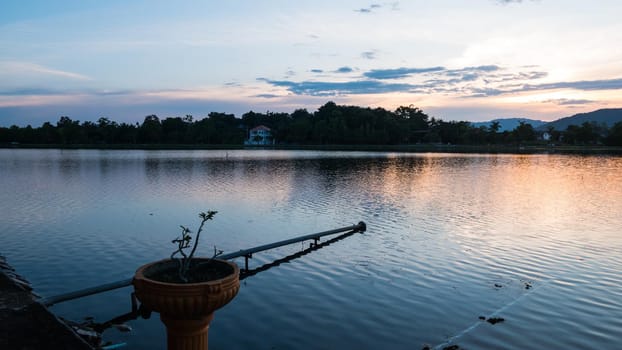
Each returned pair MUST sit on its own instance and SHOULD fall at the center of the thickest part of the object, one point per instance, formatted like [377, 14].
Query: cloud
[584, 85]
[316, 71]
[28, 92]
[57, 92]
[471, 81]
[370, 55]
[344, 70]
[533, 75]
[472, 70]
[467, 74]
[133, 105]
[487, 68]
[505, 2]
[485, 92]
[267, 96]
[508, 2]
[587, 85]
[470, 77]
[398, 73]
[441, 75]
[467, 82]
[369, 9]
[326, 88]
[126, 110]
[21, 68]
[569, 102]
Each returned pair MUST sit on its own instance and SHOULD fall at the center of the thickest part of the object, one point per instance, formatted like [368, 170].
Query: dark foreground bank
[26, 324]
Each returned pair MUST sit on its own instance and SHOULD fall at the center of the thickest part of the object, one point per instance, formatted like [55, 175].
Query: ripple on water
[553, 316]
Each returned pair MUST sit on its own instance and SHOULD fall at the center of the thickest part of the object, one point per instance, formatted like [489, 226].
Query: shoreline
[27, 324]
[417, 148]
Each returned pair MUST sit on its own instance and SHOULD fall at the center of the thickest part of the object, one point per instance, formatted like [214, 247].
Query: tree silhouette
[330, 124]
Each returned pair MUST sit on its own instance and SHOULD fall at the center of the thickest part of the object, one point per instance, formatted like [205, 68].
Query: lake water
[533, 239]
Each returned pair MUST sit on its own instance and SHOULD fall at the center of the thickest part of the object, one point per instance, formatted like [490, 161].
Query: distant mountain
[509, 124]
[606, 116]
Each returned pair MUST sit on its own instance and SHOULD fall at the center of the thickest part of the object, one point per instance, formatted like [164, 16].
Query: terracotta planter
[186, 308]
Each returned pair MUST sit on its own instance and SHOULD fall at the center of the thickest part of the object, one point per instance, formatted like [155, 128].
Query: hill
[509, 124]
[606, 116]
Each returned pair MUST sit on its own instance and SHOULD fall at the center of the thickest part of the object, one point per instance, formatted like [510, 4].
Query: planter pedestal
[186, 334]
[186, 309]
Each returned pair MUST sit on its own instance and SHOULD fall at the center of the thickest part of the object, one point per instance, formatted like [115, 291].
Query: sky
[473, 60]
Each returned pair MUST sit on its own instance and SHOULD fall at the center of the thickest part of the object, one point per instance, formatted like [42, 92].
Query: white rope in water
[494, 314]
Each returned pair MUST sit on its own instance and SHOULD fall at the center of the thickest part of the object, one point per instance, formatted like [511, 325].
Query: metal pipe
[49, 301]
[360, 227]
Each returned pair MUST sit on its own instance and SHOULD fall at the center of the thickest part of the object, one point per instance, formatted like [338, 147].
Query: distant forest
[331, 124]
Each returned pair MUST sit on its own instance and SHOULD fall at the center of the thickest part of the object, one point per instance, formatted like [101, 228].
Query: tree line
[331, 124]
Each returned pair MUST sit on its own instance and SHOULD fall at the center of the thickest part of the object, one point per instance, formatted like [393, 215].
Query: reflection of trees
[376, 185]
[373, 185]
[152, 170]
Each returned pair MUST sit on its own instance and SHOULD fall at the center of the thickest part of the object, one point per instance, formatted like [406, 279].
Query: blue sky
[457, 60]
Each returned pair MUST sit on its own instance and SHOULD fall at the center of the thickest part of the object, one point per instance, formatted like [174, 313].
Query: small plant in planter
[183, 243]
[187, 290]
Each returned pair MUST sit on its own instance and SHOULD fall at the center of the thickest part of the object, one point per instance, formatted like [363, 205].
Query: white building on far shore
[260, 136]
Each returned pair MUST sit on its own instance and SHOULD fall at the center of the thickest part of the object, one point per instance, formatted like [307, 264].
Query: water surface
[533, 239]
